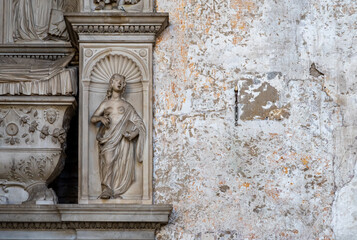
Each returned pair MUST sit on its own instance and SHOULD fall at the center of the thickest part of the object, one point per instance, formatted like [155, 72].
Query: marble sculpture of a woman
[121, 139]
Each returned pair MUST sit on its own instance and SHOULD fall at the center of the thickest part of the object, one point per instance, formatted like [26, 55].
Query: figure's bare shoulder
[128, 105]
[104, 103]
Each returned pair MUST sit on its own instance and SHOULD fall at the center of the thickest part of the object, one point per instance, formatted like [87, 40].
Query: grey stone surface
[78, 235]
[35, 21]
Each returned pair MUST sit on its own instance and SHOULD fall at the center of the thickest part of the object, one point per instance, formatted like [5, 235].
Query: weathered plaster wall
[287, 171]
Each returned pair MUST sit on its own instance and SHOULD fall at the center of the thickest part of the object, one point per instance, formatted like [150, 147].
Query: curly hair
[110, 89]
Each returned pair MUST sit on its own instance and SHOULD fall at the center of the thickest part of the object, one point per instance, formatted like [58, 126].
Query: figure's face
[118, 84]
[51, 116]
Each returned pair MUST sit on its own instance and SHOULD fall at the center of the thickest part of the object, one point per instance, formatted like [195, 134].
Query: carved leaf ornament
[12, 129]
[31, 170]
[111, 64]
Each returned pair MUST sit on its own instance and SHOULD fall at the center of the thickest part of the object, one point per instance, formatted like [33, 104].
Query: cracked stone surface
[288, 170]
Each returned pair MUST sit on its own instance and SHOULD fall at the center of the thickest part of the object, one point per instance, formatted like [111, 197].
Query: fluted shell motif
[111, 64]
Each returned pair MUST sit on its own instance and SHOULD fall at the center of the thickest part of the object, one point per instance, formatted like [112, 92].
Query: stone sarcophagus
[37, 90]
[32, 140]
[36, 106]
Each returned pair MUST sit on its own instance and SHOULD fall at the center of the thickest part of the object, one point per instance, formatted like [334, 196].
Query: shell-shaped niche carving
[111, 64]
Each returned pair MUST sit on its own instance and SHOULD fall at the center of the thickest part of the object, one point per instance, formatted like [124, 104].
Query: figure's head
[51, 115]
[117, 83]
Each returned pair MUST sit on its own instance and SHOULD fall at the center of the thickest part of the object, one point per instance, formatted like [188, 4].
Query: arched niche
[98, 67]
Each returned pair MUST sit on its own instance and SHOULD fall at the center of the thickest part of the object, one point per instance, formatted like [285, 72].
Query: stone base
[82, 221]
[78, 235]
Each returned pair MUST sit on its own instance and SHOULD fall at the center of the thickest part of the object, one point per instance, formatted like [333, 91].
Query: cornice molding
[80, 225]
[77, 216]
[114, 24]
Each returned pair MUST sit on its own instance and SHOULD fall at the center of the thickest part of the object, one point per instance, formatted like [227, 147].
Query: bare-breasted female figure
[120, 139]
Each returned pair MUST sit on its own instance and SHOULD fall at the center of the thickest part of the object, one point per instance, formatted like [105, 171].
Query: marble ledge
[37, 50]
[37, 100]
[115, 27]
[98, 213]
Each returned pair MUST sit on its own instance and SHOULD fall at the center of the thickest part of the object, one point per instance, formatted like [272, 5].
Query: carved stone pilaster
[115, 44]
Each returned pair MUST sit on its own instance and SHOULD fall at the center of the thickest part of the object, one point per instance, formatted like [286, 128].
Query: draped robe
[118, 172]
[32, 18]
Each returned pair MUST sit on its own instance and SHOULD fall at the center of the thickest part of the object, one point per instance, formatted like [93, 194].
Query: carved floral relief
[20, 125]
[32, 173]
[32, 141]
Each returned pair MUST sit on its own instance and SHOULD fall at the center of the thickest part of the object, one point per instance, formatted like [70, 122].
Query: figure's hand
[61, 26]
[127, 135]
[105, 121]
[131, 135]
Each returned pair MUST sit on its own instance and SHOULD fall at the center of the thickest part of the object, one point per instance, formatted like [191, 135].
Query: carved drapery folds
[24, 76]
[39, 20]
[124, 180]
[36, 105]
[121, 138]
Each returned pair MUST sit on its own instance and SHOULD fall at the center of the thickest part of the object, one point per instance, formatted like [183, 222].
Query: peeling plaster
[287, 170]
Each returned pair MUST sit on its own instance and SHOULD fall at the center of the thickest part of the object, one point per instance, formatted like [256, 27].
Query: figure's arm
[98, 115]
[130, 134]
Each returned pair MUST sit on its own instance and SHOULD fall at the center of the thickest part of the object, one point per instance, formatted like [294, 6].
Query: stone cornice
[79, 225]
[93, 216]
[136, 27]
[37, 101]
[37, 50]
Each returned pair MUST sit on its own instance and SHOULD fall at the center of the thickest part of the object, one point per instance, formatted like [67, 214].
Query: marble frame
[90, 55]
